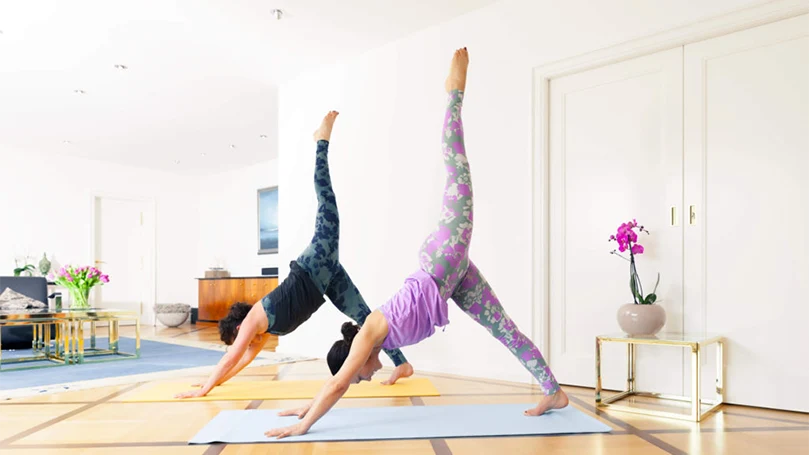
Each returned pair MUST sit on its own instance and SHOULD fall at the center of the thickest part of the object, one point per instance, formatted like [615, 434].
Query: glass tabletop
[664, 338]
[65, 313]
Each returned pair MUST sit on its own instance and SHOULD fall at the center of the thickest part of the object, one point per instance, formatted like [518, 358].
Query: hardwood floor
[90, 422]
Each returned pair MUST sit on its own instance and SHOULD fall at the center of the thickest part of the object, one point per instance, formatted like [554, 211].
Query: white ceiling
[201, 73]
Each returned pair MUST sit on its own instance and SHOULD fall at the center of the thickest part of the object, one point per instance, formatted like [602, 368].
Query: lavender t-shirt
[414, 312]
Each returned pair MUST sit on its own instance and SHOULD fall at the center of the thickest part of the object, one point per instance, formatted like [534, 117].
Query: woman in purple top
[421, 304]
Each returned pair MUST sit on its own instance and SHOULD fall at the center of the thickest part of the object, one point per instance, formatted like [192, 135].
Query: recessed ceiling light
[66, 142]
[201, 154]
[277, 14]
[263, 136]
[79, 92]
[232, 146]
[176, 161]
[121, 67]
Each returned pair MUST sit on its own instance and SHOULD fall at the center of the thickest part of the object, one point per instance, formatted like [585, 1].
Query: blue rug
[154, 357]
[401, 422]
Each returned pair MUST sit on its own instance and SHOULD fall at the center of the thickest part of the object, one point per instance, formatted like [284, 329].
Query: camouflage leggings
[321, 258]
[445, 254]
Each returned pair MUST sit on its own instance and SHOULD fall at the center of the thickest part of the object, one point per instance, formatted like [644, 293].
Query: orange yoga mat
[278, 390]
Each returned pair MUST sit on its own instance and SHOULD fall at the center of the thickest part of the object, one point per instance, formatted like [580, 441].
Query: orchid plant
[79, 281]
[627, 240]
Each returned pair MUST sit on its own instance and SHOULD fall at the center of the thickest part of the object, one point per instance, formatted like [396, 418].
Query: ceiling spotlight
[263, 136]
[176, 161]
[232, 146]
[121, 67]
[79, 92]
[201, 154]
[277, 14]
[66, 142]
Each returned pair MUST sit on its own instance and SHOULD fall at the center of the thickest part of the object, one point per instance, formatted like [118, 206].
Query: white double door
[707, 145]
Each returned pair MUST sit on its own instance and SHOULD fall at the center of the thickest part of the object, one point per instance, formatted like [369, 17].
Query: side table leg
[92, 334]
[47, 341]
[720, 372]
[631, 351]
[137, 338]
[696, 399]
[598, 371]
[66, 342]
[80, 344]
[113, 323]
[69, 341]
[57, 344]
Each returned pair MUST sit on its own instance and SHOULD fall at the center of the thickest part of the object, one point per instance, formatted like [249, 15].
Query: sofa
[21, 336]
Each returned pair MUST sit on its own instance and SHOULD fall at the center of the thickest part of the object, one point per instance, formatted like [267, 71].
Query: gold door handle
[99, 262]
[692, 215]
[674, 215]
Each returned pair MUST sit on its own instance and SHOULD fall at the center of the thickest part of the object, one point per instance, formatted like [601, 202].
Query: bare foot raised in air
[323, 133]
[457, 71]
[556, 401]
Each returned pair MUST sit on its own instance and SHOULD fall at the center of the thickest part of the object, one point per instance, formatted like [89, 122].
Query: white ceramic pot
[172, 319]
[641, 319]
[172, 314]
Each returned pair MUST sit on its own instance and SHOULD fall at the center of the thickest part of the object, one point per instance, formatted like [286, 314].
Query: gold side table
[80, 354]
[697, 343]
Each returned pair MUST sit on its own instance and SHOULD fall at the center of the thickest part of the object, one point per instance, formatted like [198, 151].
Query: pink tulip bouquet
[627, 240]
[79, 281]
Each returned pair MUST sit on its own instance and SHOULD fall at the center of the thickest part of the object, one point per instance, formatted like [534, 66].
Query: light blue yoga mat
[401, 422]
[154, 356]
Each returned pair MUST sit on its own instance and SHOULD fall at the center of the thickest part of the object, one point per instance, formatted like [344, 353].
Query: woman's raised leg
[444, 255]
[321, 258]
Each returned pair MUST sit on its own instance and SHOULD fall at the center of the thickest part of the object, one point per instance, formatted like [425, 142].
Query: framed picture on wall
[268, 220]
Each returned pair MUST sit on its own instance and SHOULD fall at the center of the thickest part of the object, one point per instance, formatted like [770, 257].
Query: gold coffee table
[68, 347]
[76, 324]
[696, 343]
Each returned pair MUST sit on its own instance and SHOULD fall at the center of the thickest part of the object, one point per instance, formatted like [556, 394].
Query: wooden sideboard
[216, 295]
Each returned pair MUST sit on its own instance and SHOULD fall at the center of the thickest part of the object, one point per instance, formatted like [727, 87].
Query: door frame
[749, 17]
[150, 241]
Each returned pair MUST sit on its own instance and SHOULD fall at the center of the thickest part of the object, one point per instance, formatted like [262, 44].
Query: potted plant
[79, 281]
[643, 316]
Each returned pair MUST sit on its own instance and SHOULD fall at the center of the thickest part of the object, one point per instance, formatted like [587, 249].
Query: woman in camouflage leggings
[315, 273]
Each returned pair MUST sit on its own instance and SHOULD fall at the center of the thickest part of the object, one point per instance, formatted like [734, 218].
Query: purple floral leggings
[444, 255]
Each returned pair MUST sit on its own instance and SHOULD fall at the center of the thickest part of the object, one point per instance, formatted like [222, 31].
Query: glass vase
[79, 298]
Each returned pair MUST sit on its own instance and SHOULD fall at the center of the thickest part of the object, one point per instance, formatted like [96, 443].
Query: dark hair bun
[349, 330]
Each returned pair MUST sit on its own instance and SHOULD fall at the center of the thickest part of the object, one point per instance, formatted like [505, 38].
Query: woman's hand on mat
[292, 430]
[192, 394]
[300, 412]
[202, 384]
[404, 370]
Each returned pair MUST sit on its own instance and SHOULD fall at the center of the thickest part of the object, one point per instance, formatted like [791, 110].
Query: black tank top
[294, 300]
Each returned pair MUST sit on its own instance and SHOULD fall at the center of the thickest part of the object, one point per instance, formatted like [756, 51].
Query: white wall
[228, 228]
[45, 206]
[386, 163]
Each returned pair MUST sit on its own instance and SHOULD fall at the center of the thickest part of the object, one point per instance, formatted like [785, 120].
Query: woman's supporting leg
[321, 258]
[476, 298]
[444, 255]
[347, 298]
